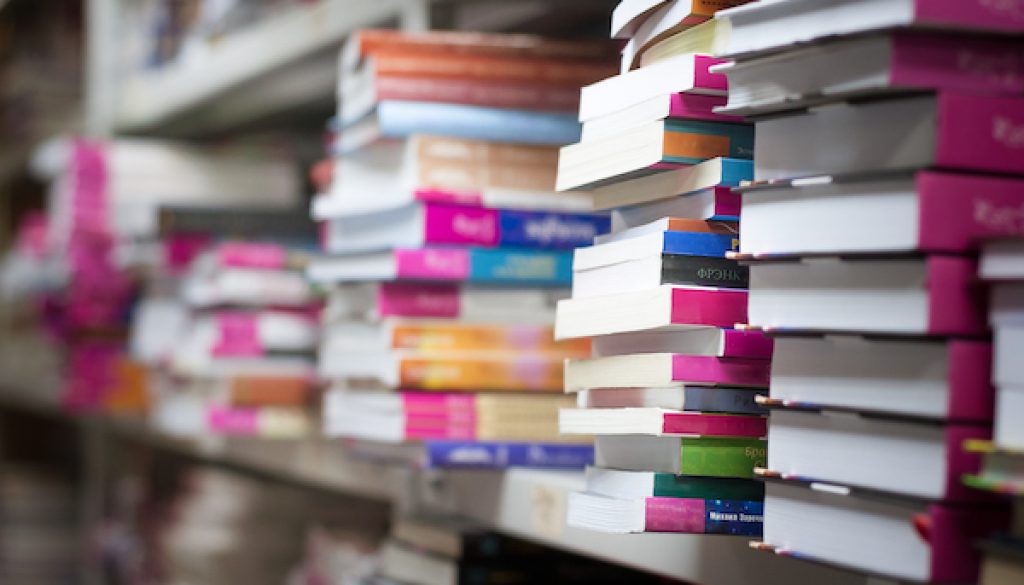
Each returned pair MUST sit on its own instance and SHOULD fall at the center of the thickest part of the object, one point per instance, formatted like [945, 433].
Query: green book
[636, 485]
[720, 457]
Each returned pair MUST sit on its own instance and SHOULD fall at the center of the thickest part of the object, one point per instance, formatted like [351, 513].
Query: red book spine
[518, 96]
[715, 425]
[508, 69]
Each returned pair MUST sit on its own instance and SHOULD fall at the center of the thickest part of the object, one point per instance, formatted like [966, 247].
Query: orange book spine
[269, 391]
[525, 339]
[370, 41]
[725, 228]
[516, 373]
[460, 149]
[525, 69]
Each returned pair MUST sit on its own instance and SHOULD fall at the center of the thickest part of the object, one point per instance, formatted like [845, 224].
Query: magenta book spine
[958, 212]
[432, 263]
[715, 308]
[704, 79]
[685, 515]
[437, 403]
[981, 133]
[396, 299]
[953, 534]
[727, 202]
[691, 369]
[451, 224]
[956, 304]
[973, 63]
[252, 255]
[746, 344]
[984, 15]
[715, 425]
[971, 395]
[692, 106]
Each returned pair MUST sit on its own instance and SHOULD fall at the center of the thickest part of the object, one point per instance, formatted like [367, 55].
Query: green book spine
[722, 457]
[667, 485]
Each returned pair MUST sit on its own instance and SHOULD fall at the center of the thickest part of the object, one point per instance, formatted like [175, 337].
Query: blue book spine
[400, 119]
[505, 266]
[741, 138]
[700, 244]
[736, 517]
[473, 455]
[725, 400]
[736, 171]
[564, 231]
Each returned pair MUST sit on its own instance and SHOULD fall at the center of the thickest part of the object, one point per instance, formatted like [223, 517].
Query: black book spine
[703, 271]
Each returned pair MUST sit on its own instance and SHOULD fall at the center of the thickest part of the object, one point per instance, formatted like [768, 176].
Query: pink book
[427, 404]
[692, 106]
[658, 370]
[691, 369]
[252, 255]
[234, 421]
[982, 64]
[956, 213]
[714, 425]
[980, 133]
[397, 299]
[718, 308]
[995, 15]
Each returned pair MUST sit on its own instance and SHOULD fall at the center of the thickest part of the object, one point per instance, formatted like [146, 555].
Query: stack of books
[885, 152]
[670, 387]
[445, 246]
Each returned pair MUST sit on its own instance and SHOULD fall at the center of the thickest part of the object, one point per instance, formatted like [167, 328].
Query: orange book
[443, 148]
[512, 372]
[726, 228]
[454, 336]
[269, 391]
[533, 70]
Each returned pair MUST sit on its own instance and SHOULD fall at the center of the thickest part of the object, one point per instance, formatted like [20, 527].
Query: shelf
[287, 61]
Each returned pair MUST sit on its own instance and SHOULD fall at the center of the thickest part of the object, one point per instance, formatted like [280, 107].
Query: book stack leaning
[669, 390]
[884, 155]
[446, 246]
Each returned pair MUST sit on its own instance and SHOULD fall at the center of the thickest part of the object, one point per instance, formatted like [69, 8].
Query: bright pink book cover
[703, 78]
[432, 263]
[252, 255]
[726, 202]
[715, 425]
[957, 212]
[451, 224]
[954, 532]
[981, 133]
[238, 335]
[980, 64]
[448, 196]
[694, 369]
[984, 15]
[717, 308]
[399, 299]
[746, 344]
[674, 515]
[957, 303]
[234, 421]
[692, 106]
[416, 403]
[971, 394]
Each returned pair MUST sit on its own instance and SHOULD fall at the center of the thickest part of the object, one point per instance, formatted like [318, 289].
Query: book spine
[237, 335]
[958, 212]
[518, 96]
[718, 308]
[402, 118]
[722, 400]
[694, 106]
[746, 344]
[691, 142]
[980, 133]
[699, 243]
[552, 268]
[971, 394]
[518, 373]
[474, 455]
[696, 516]
[982, 15]
[703, 271]
[252, 255]
[425, 430]
[956, 305]
[437, 404]
[395, 299]
[715, 425]
[693, 369]
[667, 485]
[532, 229]
[445, 337]
[727, 203]
[233, 421]
[451, 224]
[369, 41]
[975, 64]
[460, 176]
[445, 149]
[269, 391]
[523, 69]
[704, 79]
[953, 533]
[722, 457]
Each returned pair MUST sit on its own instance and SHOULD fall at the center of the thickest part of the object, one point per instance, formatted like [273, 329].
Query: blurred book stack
[670, 387]
[446, 246]
[886, 147]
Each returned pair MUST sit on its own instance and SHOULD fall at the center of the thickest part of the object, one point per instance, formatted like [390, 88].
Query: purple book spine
[474, 455]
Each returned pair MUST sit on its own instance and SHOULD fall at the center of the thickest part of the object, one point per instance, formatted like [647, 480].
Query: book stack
[1002, 467]
[669, 389]
[446, 245]
[884, 153]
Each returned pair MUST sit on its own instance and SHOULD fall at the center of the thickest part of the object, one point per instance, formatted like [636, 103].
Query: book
[772, 26]
[657, 421]
[683, 74]
[671, 19]
[460, 371]
[398, 119]
[665, 307]
[709, 341]
[645, 273]
[433, 454]
[476, 265]
[270, 390]
[446, 170]
[902, 539]
[216, 286]
[445, 335]
[684, 106]
[428, 224]
[1008, 342]
[927, 379]
[700, 456]
[672, 224]
[642, 370]
[888, 63]
[934, 295]
[270, 422]
[374, 301]
[711, 37]
[234, 333]
[657, 514]
[650, 148]
[637, 245]
[1003, 259]
[716, 203]
[918, 459]
[948, 130]
[634, 485]
[687, 397]
[926, 211]
[368, 41]
[630, 14]
[688, 180]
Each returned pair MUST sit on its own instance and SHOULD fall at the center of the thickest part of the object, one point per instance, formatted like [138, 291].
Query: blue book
[699, 243]
[538, 229]
[739, 138]
[398, 119]
[500, 455]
